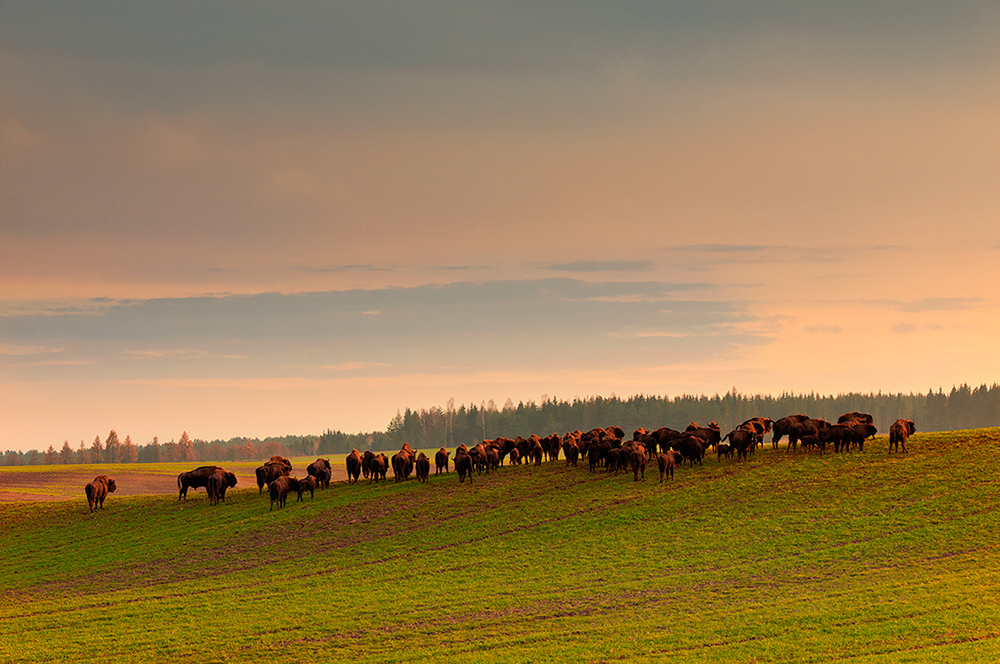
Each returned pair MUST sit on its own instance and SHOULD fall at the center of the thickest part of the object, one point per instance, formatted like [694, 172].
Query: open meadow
[866, 557]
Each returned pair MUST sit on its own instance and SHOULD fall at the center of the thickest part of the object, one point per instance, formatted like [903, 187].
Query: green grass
[866, 557]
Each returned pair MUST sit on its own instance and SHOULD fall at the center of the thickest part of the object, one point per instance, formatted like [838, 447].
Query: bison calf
[307, 484]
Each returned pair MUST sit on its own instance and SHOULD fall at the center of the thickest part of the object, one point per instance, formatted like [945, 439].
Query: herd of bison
[602, 448]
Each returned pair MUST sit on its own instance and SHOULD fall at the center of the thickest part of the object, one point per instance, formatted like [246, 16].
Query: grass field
[863, 557]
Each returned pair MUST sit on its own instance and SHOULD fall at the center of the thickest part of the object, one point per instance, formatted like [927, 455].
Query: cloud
[725, 248]
[824, 329]
[18, 350]
[938, 304]
[603, 266]
[903, 328]
[341, 268]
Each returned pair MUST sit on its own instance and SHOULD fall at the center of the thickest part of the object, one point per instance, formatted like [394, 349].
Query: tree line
[449, 426]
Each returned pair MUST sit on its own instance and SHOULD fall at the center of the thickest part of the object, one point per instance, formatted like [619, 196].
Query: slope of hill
[861, 556]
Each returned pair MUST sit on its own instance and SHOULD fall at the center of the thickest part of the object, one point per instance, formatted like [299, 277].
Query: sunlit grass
[786, 558]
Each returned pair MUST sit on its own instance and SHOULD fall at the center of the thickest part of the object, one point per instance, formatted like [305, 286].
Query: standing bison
[899, 432]
[280, 488]
[353, 462]
[321, 470]
[441, 461]
[98, 490]
[269, 472]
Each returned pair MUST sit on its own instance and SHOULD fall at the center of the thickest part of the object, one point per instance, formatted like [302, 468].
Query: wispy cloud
[824, 329]
[903, 328]
[938, 304]
[18, 350]
[603, 266]
[341, 268]
[179, 354]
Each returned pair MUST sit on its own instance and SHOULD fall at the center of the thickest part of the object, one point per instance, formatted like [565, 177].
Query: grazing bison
[98, 490]
[691, 446]
[282, 460]
[279, 489]
[217, 485]
[323, 472]
[194, 479]
[899, 432]
[813, 440]
[353, 466]
[666, 463]
[269, 472]
[515, 457]
[423, 467]
[441, 461]
[309, 483]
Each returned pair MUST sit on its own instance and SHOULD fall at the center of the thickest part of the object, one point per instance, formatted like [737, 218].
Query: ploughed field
[784, 558]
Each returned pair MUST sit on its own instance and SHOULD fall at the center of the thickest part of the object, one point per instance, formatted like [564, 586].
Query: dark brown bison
[423, 466]
[571, 451]
[280, 488]
[724, 450]
[666, 463]
[308, 483]
[636, 457]
[463, 463]
[810, 426]
[691, 446]
[780, 427]
[402, 464]
[353, 462]
[899, 432]
[742, 441]
[441, 461]
[378, 467]
[855, 416]
[98, 490]
[366, 463]
[710, 435]
[282, 460]
[515, 457]
[323, 472]
[269, 472]
[217, 485]
[856, 433]
[812, 440]
[194, 479]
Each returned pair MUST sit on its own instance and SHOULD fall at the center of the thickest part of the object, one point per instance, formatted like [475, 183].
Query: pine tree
[112, 448]
[185, 449]
[129, 452]
[95, 450]
[66, 453]
[51, 456]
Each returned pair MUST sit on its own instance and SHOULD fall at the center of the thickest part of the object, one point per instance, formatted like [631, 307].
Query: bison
[194, 479]
[269, 472]
[353, 466]
[323, 472]
[217, 485]
[423, 467]
[378, 467]
[99, 489]
[666, 463]
[308, 483]
[279, 489]
[441, 461]
[899, 432]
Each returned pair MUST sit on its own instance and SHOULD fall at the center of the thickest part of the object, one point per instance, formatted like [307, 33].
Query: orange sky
[484, 203]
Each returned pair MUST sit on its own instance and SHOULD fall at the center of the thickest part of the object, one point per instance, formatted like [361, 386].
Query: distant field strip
[785, 558]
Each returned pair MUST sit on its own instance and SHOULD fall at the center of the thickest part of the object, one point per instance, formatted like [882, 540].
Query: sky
[259, 219]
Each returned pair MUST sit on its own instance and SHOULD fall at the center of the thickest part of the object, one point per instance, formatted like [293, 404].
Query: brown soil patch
[49, 483]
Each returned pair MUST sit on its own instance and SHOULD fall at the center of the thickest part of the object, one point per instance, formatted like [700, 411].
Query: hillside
[861, 556]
